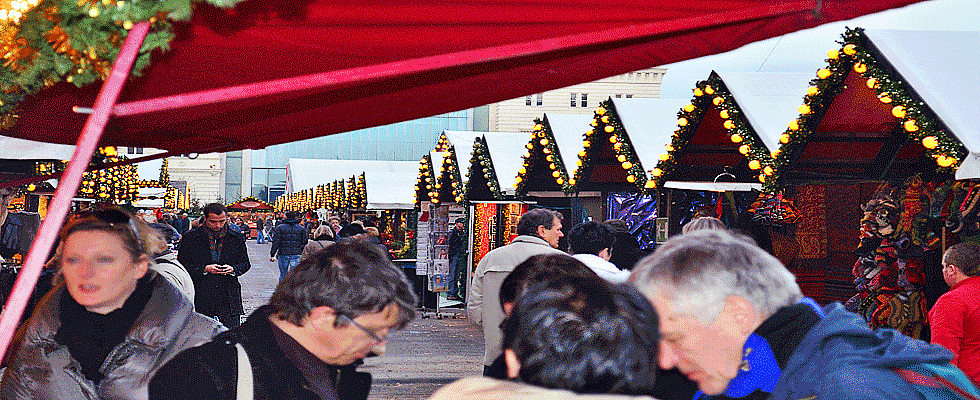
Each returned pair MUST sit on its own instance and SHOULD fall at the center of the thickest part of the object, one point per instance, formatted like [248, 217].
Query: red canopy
[270, 72]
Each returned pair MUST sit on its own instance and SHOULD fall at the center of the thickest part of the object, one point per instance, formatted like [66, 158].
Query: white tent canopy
[462, 141]
[506, 151]
[569, 131]
[20, 149]
[390, 185]
[650, 124]
[390, 190]
[768, 100]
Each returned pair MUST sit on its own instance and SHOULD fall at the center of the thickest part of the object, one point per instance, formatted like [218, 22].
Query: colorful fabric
[486, 214]
[811, 231]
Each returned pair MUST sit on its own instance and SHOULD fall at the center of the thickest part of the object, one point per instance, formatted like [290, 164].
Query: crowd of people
[708, 315]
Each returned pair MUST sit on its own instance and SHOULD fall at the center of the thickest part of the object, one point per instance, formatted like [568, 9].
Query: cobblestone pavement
[429, 353]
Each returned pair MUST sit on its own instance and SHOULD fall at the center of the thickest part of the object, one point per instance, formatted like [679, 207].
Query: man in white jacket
[538, 233]
[591, 243]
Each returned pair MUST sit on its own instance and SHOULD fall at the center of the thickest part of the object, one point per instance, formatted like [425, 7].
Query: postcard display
[432, 258]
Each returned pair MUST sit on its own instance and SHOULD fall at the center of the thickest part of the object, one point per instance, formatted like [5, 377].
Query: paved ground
[428, 353]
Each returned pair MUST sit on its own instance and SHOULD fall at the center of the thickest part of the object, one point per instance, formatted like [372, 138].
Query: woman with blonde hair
[321, 240]
[109, 323]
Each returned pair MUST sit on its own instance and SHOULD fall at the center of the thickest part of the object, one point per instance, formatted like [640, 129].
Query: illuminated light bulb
[910, 126]
[754, 164]
[627, 165]
[744, 149]
[717, 100]
[657, 172]
[581, 153]
[689, 107]
[538, 127]
[571, 181]
[728, 124]
[784, 138]
[630, 178]
[930, 142]
[664, 157]
[613, 139]
[669, 147]
[698, 92]
[850, 49]
[709, 90]
[812, 91]
[682, 122]
[794, 125]
[860, 68]
[804, 109]
[872, 83]
[559, 181]
[544, 142]
[833, 54]
[605, 119]
[650, 184]
[723, 114]
[736, 138]
[609, 129]
[898, 111]
[555, 174]
[621, 158]
[824, 73]
[767, 170]
[600, 110]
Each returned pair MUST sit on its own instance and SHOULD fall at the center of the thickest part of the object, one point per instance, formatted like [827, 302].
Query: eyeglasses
[369, 332]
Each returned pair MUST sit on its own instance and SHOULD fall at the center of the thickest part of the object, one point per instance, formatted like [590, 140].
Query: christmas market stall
[870, 162]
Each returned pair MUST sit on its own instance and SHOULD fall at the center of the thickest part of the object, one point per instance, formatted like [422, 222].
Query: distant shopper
[457, 260]
[703, 223]
[321, 240]
[259, 230]
[288, 243]
[591, 243]
[955, 318]
[626, 251]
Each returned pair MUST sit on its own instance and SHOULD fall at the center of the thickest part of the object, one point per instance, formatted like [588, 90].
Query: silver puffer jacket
[44, 369]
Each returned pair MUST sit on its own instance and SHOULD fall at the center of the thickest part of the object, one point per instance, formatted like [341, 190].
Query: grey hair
[703, 223]
[699, 270]
[531, 220]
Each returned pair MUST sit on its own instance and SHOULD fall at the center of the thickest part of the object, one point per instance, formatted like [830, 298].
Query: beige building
[517, 115]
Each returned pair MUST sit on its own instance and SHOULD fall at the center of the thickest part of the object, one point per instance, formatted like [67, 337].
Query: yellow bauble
[549, 158]
[883, 97]
[594, 122]
[682, 122]
[657, 172]
[728, 124]
[689, 108]
[744, 149]
[767, 170]
[669, 147]
[860, 68]
[910, 126]
[717, 100]
[804, 109]
[930, 142]
[544, 142]
[833, 54]
[754, 164]
[794, 125]
[850, 49]
[621, 158]
[571, 181]
[613, 139]
[723, 114]
[630, 178]
[948, 162]
[650, 184]
[898, 111]
[698, 92]
[617, 146]
[709, 90]
[538, 127]
[581, 153]
[578, 163]
[736, 138]
[664, 157]
[530, 146]
[589, 132]
[586, 144]
[546, 150]
[552, 166]
[824, 73]
[600, 111]
[872, 83]
[775, 153]
[459, 199]
[560, 181]
[519, 179]
[609, 129]
[627, 165]
[555, 174]
[522, 171]
[762, 178]
[605, 119]
[812, 91]
[784, 138]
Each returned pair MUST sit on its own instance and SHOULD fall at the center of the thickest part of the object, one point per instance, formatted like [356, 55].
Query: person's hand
[227, 269]
[213, 269]
[272, 259]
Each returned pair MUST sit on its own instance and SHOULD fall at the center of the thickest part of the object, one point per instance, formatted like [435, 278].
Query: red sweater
[955, 324]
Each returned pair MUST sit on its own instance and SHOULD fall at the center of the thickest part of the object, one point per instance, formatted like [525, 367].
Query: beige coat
[482, 388]
[44, 369]
[483, 299]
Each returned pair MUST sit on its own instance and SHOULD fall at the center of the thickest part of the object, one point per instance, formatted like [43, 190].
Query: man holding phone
[215, 256]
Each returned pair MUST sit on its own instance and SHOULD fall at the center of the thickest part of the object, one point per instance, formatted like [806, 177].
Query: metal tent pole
[72, 177]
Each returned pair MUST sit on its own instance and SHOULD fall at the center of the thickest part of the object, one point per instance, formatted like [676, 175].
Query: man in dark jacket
[215, 256]
[457, 261]
[289, 240]
[333, 309]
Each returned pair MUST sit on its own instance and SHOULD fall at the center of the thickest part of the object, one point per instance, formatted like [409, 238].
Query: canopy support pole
[58, 208]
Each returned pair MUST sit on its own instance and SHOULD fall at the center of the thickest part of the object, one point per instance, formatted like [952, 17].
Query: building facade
[517, 115]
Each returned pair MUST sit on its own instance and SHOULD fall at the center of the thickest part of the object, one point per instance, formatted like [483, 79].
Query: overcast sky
[805, 51]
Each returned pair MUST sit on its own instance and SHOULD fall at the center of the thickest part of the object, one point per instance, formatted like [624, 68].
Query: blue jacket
[289, 240]
[842, 358]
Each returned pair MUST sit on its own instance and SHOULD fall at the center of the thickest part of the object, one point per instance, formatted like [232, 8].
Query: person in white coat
[592, 243]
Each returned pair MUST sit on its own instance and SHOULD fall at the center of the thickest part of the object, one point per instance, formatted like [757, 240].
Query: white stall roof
[768, 100]
[650, 124]
[569, 131]
[942, 68]
[305, 173]
[970, 168]
[506, 151]
[390, 190]
[20, 149]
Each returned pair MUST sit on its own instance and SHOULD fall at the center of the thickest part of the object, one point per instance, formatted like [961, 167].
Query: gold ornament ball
[728, 124]
[682, 122]
[804, 109]
[657, 172]
[709, 90]
[812, 91]
[794, 125]
[824, 73]
[775, 153]
[621, 158]
[613, 139]
[872, 83]
[850, 49]
[650, 184]
[736, 138]
[898, 111]
[581, 153]
[627, 165]
[618, 146]
[530, 146]
[689, 108]
[930, 142]
[609, 129]
[833, 54]
[698, 92]
[884, 98]
[586, 144]
[744, 149]
[664, 157]
[762, 178]
[669, 147]
[784, 138]
[555, 174]
[630, 178]
[767, 170]
[544, 142]
[717, 100]
[860, 68]
[910, 126]
[538, 127]
[754, 164]
[723, 114]
[560, 181]
[605, 119]
[600, 111]
[571, 181]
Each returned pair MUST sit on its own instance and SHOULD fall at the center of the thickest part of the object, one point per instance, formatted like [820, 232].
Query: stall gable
[857, 122]
[543, 168]
[482, 183]
[609, 160]
[425, 189]
[449, 182]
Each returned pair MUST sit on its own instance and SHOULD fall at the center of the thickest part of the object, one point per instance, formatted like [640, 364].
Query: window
[527, 100]
[619, 95]
[540, 99]
[134, 150]
[629, 96]
[574, 99]
[585, 99]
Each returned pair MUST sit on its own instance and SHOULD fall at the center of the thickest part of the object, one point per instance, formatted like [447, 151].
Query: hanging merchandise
[484, 225]
[773, 209]
[639, 211]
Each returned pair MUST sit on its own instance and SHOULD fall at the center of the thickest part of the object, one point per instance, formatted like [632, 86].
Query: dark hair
[538, 269]
[352, 278]
[586, 336]
[965, 256]
[590, 238]
[350, 230]
[214, 209]
[626, 251]
[137, 237]
[292, 214]
[531, 220]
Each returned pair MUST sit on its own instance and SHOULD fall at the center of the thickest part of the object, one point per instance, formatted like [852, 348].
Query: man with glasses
[216, 256]
[330, 311]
